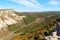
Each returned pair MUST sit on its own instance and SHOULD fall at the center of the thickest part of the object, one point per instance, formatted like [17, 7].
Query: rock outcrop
[8, 17]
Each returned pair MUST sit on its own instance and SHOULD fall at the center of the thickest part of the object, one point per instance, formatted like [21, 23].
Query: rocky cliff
[8, 17]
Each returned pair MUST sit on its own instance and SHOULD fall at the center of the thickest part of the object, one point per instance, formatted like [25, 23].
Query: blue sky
[31, 5]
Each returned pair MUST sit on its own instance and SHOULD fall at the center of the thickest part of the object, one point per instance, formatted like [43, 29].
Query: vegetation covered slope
[39, 28]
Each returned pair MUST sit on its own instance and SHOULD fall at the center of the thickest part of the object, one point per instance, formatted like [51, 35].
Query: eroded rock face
[8, 17]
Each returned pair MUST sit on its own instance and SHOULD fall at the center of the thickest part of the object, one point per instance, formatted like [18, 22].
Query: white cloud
[37, 3]
[28, 3]
[54, 2]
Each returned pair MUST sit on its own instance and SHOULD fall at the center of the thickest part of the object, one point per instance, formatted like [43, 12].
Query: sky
[31, 5]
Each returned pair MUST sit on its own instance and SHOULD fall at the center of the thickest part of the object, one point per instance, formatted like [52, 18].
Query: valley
[25, 25]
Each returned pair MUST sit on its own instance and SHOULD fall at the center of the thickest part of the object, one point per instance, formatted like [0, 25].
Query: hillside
[7, 18]
[43, 28]
[23, 25]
